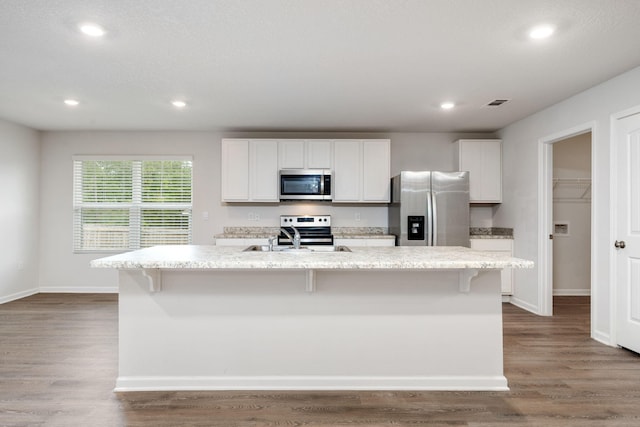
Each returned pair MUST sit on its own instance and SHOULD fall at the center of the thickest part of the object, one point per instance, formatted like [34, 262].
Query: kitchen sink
[291, 249]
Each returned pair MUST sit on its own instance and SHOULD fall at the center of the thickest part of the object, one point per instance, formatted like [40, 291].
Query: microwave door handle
[322, 185]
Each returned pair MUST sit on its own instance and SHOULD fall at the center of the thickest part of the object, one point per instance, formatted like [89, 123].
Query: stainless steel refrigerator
[430, 208]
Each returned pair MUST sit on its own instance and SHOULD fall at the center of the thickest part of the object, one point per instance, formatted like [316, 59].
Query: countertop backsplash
[355, 232]
[491, 233]
[264, 232]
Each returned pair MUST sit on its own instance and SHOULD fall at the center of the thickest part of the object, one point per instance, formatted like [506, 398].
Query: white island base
[268, 330]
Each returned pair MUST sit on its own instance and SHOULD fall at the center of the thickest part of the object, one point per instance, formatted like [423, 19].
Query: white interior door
[627, 245]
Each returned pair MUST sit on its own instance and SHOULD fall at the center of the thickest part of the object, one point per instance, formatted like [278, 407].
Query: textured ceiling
[376, 65]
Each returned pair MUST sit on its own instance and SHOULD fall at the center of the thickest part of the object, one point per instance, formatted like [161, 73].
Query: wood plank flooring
[58, 364]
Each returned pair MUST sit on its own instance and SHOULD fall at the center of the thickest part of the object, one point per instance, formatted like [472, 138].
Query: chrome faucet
[272, 239]
[295, 239]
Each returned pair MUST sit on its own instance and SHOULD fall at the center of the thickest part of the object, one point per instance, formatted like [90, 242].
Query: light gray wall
[520, 207]
[572, 252]
[19, 192]
[61, 270]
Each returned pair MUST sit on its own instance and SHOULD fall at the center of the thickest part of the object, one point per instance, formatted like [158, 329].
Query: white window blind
[125, 204]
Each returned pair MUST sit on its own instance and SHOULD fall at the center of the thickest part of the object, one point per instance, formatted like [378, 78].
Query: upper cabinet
[361, 171]
[249, 170]
[360, 167]
[483, 159]
[305, 154]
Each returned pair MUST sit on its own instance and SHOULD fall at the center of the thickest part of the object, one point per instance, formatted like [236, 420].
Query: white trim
[18, 295]
[523, 304]
[602, 338]
[130, 157]
[78, 290]
[545, 249]
[456, 383]
[571, 292]
[613, 221]
[545, 216]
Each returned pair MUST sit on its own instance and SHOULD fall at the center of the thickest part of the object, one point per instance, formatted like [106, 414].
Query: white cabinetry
[360, 167]
[249, 170]
[353, 243]
[241, 241]
[503, 246]
[483, 159]
[305, 154]
[361, 171]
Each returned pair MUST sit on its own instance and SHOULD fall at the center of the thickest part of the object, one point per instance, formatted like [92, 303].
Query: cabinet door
[291, 153]
[319, 153]
[235, 170]
[483, 159]
[264, 170]
[375, 170]
[347, 171]
[492, 170]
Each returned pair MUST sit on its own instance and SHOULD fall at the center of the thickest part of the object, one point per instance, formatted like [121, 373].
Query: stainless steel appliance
[305, 184]
[313, 229]
[430, 208]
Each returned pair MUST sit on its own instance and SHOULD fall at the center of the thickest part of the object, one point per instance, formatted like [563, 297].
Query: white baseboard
[571, 292]
[524, 305]
[18, 295]
[208, 383]
[78, 290]
[602, 338]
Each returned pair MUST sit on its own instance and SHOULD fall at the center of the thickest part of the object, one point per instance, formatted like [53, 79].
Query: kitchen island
[219, 318]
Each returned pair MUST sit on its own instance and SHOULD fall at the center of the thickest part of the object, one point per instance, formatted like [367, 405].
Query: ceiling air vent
[497, 102]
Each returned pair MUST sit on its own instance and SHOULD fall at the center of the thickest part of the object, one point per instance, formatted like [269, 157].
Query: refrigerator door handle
[429, 220]
[434, 214]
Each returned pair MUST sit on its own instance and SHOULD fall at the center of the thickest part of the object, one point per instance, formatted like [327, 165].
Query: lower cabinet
[226, 241]
[363, 242]
[498, 245]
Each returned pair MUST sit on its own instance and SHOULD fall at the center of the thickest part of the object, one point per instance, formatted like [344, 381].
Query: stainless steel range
[313, 229]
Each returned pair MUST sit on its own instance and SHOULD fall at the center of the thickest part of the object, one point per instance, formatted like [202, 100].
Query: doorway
[572, 217]
[547, 224]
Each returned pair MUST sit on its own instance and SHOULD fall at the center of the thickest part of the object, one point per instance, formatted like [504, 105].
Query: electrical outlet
[205, 216]
[357, 216]
[20, 265]
[251, 216]
[257, 217]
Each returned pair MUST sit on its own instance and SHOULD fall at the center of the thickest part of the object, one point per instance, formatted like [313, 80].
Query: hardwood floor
[58, 363]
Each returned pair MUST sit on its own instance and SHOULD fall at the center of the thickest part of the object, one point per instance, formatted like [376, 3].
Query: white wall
[572, 252]
[19, 175]
[521, 142]
[61, 270]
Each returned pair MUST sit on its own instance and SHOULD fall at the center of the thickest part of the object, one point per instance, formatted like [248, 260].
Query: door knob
[620, 244]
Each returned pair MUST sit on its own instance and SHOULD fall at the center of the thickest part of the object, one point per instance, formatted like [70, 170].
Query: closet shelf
[572, 190]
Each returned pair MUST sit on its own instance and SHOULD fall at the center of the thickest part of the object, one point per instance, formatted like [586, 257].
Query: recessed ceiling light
[447, 105]
[541, 32]
[71, 102]
[92, 30]
[179, 104]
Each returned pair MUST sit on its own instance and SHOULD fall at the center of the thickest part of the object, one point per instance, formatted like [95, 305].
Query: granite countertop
[338, 233]
[490, 233]
[233, 258]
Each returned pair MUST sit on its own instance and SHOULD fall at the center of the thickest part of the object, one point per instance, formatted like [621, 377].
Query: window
[123, 204]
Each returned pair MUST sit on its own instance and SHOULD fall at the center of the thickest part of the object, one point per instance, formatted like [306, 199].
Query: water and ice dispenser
[415, 227]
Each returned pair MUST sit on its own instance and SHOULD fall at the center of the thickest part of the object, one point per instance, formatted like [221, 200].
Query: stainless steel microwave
[305, 184]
